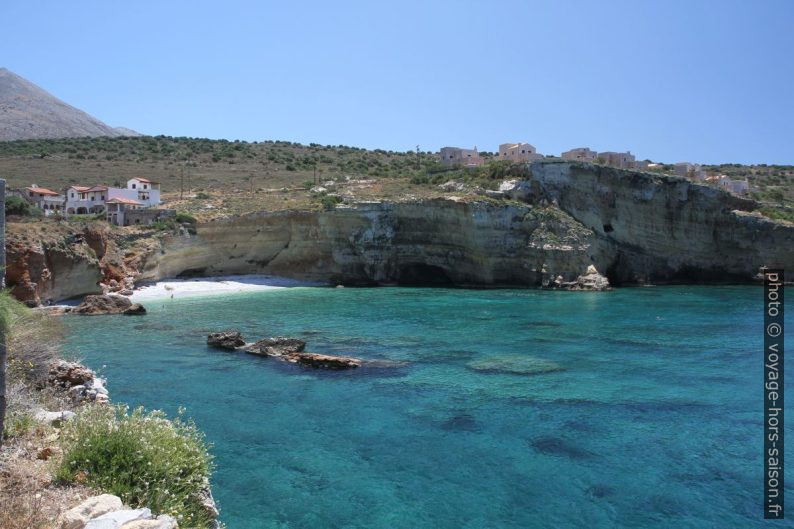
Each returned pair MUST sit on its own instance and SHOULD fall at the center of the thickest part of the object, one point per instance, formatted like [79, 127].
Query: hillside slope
[29, 112]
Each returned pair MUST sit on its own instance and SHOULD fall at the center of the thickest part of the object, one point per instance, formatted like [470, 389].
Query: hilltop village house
[115, 202]
[690, 170]
[518, 152]
[455, 156]
[45, 199]
[580, 154]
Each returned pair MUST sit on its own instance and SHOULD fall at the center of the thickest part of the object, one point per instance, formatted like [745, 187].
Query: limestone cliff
[636, 227]
[423, 242]
[653, 228]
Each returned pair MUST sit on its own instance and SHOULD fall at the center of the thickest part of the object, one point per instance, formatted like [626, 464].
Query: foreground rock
[107, 512]
[229, 340]
[77, 517]
[80, 382]
[108, 304]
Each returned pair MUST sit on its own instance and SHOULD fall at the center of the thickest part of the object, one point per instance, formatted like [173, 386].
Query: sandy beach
[208, 286]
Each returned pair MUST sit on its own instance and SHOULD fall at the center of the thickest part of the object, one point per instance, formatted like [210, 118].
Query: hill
[239, 176]
[28, 111]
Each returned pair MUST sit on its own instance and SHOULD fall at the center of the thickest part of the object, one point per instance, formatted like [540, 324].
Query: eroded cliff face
[655, 229]
[423, 242]
[635, 227]
[50, 262]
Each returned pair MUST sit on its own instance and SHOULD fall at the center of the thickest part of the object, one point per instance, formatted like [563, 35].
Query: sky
[700, 81]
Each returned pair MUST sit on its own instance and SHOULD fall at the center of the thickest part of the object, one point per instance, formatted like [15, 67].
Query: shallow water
[651, 416]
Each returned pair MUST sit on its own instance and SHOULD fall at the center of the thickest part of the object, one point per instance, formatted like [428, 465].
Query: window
[103, 197]
[133, 186]
[144, 186]
[72, 195]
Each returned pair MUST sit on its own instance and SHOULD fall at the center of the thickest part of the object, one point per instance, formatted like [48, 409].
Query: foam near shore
[208, 286]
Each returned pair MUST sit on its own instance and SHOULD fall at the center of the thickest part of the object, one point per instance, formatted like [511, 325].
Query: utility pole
[418, 159]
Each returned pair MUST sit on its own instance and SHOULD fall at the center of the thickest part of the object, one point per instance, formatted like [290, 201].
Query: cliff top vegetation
[211, 177]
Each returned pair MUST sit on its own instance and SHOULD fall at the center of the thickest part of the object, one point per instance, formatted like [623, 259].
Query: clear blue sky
[705, 81]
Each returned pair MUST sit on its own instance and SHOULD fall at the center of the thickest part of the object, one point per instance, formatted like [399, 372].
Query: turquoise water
[651, 417]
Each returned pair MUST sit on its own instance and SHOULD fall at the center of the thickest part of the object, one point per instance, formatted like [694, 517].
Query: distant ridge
[29, 112]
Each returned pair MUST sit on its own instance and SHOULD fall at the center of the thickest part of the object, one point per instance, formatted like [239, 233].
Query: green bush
[185, 218]
[143, 458]
[329, 202]
[202, 196]
[19, 206]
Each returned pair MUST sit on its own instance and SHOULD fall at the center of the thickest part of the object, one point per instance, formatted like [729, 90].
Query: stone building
[580, 154]
[518, 152]
[455, 156]
[623, 160]
[689, 170]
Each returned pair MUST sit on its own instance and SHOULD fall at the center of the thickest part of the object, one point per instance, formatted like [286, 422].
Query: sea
[635, 408]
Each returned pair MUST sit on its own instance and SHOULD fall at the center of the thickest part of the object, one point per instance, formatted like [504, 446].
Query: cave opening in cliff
[421, 274]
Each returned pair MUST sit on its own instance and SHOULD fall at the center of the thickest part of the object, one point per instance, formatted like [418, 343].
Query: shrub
[202, 196]
[143, 458]
[19, 206]
[329, 202]
[185, 218]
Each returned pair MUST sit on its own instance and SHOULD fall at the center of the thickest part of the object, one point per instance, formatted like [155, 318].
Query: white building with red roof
[148, 190]
[47, 200]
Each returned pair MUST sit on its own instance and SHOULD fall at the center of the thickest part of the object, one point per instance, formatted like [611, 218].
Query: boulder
[118, 519]
[230, 340]
[77, 517]
[516, 189]
[591, 280]
[67, 374]
[323, 361]
[276, 346]
[108, 304]
[54, 417]
[135, 309]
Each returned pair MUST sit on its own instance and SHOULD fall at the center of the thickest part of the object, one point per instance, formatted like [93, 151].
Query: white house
[45, 199]
[81, 200]
[147, 191]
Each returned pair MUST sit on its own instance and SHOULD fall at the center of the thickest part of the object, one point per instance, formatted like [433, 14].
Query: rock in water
[108, 304]
[229, 340]
[277, 346]
[324, 361]
[135, 308]
[516, 365]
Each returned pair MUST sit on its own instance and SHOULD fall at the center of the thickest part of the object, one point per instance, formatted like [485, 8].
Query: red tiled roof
[82, 189]
[98, 188]
[42, 191]
[118, 200]
[144, 180]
